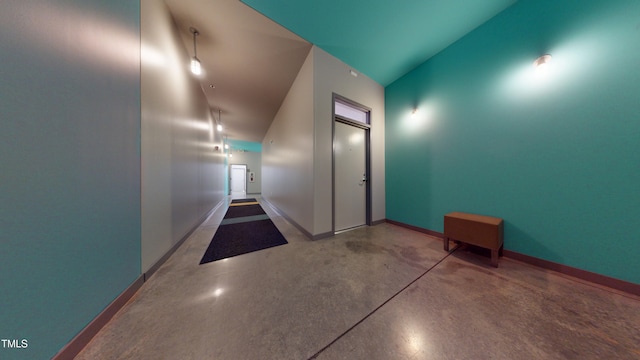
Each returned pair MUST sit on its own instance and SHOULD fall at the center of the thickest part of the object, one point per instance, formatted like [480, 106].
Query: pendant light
[219, 120]
[196, 68]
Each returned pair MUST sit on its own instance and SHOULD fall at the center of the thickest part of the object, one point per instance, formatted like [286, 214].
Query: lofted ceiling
[252, 59]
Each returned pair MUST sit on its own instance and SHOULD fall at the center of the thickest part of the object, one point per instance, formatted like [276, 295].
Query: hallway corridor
[381, 292]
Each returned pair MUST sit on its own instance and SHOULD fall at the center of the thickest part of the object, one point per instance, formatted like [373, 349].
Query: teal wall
[556, 156]
[69, 166]
[236, 145]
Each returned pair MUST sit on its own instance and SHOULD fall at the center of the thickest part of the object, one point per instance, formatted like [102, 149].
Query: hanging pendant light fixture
[219, 120]
[196, 68]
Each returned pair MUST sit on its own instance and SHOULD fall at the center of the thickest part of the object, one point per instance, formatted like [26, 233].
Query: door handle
[364, 179]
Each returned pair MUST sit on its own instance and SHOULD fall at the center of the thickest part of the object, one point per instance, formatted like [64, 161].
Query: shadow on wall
[409, 163]
[527, 243]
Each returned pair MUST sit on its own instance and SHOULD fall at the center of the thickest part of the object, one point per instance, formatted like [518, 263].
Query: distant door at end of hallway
[238, 181]
[350, 176]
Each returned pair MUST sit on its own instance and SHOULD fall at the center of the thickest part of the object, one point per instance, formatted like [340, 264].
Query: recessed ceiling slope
[380, 38]
[250, 60]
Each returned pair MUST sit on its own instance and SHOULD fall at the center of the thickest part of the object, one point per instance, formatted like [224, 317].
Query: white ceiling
[251, 61]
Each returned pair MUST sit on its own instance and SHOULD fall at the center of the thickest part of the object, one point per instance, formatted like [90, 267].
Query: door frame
[231, 178]
[367, 149]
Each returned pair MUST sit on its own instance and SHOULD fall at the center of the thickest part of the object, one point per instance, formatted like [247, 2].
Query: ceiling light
[196, 67]
[414, 113]
[219, 127]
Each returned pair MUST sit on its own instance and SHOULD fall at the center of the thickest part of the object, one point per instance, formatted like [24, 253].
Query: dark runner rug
[240, 201]
[244, 229]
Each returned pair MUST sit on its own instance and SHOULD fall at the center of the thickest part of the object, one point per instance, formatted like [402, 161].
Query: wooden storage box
[479, 230]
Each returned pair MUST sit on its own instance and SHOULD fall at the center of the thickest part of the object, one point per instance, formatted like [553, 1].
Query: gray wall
[253, 160]
[297, 150]
[70, 166]
[287, 152]
[332, 76]
[182, 174]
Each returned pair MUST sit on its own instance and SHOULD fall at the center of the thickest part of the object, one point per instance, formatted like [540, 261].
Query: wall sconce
[196, 67]
[542, 62]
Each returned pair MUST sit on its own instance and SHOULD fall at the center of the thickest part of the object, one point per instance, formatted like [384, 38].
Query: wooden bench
[479, 230]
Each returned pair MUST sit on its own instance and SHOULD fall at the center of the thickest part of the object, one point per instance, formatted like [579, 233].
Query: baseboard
[81, 340]
[147, 274]
[416, 228]
[323, 235]
[290, 220]
[320, 236]
[73, 348]
[584, 275]
[378, 222]
[587, 276]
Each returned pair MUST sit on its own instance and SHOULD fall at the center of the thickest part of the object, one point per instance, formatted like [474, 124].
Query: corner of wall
[334, 76]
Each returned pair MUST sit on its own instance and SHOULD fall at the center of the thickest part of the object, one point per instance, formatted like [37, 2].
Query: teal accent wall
[236, 145]
[557, 156]
[69, 166]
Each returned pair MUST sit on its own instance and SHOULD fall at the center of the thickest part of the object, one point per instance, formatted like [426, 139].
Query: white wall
[297, 166]
[182, 175]
[332, 76]
[287, 152]
[253, 160]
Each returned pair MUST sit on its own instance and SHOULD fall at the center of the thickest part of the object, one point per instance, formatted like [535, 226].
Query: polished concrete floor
[381, 292]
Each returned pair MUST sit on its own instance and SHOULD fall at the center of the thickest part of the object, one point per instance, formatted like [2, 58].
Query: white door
[350, 176]
[238, 181]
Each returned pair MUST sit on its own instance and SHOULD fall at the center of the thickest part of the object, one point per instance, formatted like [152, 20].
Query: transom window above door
[344, 109]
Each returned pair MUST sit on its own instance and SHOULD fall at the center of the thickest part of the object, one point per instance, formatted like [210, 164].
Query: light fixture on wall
[196, 67]
[414, 113]
[542, 62]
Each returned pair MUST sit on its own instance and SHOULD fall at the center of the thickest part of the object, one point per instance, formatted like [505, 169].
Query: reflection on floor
[381, 292]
